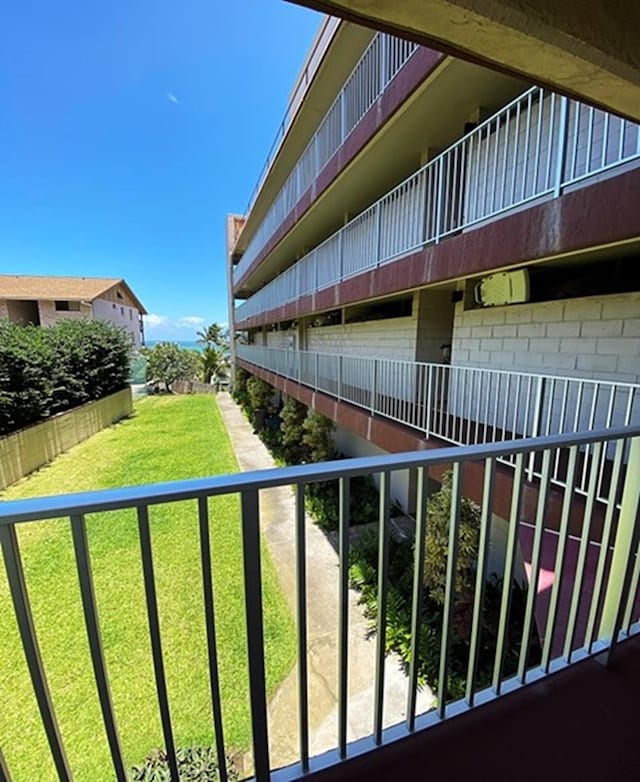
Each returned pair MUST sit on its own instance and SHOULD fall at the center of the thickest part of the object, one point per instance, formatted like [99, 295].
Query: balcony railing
[466, 405]
[382, 59]
[612, 616]
[319, 46]
[535, 147]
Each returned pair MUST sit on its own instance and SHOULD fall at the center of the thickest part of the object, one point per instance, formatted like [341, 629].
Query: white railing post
[624, 552]
[374, 378]
[562, 145]
[439, 197]
[535, 427]
[378, 233]
[343, 115]
[340, 377]
[316, 371]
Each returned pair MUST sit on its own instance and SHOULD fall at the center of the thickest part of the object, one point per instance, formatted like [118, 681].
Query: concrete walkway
[277, 514]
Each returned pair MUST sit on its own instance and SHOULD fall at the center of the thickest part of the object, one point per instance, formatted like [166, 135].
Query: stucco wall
[121, 315]
[402, 483]
[594, 337]
[49, 315]
[25, 451]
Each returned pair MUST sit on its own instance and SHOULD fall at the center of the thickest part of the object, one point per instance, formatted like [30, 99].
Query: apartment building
[435, 244]
[44, 300]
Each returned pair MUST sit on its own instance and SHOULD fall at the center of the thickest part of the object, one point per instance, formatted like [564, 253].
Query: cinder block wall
[388, 338]
[593, 337]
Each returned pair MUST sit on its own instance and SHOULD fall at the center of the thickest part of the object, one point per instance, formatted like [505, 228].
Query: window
[130, 314]
[67, 306]
[122, 311]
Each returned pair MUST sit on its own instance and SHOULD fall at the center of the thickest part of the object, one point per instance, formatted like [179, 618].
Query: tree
[293, 415]
[215, 354]
[166, 363]
[214, 335]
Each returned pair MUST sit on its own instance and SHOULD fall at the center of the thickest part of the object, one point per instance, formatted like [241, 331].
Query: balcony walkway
[278, 527]
[579, 724]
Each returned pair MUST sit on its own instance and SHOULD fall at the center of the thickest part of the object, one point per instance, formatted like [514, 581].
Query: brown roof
[23, 286]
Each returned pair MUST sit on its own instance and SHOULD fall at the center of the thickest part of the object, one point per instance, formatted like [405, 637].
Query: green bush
[48, 370]
[323, 502]
[260, 393]
[239, 391]
[195, 764]
[437, 542]
[318, 437]
[293, 415]
[363, 573]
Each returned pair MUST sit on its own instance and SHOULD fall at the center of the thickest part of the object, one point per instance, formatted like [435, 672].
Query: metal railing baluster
[381, 624]
[250, 514]
[417, 595]
[154, 634]
[583, 552]
[24, 618]
[560, 561]
[478, 599]
[512, 545]
[301, 616]
[605, 539]
[210, 625]
[536, 553]
[90, 612]
[450, 589]
[343, 616]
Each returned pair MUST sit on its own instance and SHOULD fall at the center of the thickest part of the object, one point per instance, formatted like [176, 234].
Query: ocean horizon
[182, 343]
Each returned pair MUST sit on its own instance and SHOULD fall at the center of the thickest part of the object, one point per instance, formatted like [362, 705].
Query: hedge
[46, 370]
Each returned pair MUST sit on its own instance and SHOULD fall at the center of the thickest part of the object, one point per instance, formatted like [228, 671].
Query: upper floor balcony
[535, 149]
[382, 60]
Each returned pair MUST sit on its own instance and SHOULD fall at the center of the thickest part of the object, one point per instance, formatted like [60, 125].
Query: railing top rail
[457, 367]
[43, 508]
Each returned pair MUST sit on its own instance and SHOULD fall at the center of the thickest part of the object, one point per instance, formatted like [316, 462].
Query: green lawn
[169, 438]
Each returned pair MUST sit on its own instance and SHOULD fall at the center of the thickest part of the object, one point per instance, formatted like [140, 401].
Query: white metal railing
[533, 148]
[382, 59]
[320, 44]
[465, 405]
[565, 638]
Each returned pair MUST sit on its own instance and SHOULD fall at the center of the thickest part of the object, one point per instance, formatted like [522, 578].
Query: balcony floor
[579, 724]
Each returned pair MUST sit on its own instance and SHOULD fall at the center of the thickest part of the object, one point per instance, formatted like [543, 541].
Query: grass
[169, 438]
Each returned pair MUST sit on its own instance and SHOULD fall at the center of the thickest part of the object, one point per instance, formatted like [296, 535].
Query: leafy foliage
[437, 543]
[323, 502]
[48, 370]
[260, 393]
[363, 573]
[293, 415]
[215, 353]
[240, 392]
[195, 764]
[166, 363]
[318, 437]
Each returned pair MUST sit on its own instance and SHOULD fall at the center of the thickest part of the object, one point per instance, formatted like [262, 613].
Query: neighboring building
[45, 300]
[436, 243]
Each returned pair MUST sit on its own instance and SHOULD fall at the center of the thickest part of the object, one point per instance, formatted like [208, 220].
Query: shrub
[293, 415]
[318, 437]
[323, 502]
[240, 392]
[49, 370]
[437, 542]
[363, 573]
[260, 393]
[195, 764]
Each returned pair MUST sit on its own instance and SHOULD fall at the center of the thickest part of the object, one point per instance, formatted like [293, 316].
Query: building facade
[44, 300]
[436, 243]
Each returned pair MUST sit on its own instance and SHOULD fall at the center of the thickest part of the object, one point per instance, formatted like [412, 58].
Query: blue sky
[129, 129]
